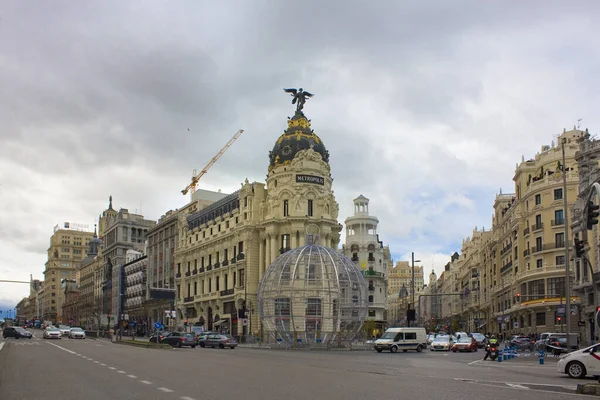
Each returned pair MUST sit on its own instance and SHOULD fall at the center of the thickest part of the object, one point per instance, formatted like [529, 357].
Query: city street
[97, 369]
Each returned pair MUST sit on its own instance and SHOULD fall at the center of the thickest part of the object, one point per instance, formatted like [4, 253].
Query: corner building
[225, 248]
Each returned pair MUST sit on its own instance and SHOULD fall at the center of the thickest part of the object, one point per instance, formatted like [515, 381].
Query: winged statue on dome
[299, 97]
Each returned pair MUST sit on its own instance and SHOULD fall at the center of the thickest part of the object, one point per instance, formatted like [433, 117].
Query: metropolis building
[225, 248]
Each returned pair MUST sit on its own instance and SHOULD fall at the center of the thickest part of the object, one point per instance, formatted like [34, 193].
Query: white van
[402, 338]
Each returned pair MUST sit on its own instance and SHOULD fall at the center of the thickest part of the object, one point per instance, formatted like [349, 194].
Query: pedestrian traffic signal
[558, 319]
[185, 322]
[592, 214]
[579, 247]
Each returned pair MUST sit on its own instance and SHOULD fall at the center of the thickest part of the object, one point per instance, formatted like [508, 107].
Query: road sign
[157, 325]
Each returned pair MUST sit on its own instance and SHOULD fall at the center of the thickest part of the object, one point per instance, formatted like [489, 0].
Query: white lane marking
[113, 368]
[569, 387]
[103, 365]
[97, 362]
[474, 362]
[163, 389]
[186, 398]
[1, 345]
[146, 382]
[517, 386]
[132, 376]
[121, 372]
[62, 348]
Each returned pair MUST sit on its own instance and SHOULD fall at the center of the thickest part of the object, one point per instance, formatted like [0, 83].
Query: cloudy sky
[424, 106]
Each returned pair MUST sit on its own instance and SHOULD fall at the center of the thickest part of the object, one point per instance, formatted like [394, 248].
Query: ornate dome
[298, 136]
[312, 294]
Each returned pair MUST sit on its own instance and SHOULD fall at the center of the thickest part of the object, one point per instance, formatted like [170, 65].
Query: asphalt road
[97, 369]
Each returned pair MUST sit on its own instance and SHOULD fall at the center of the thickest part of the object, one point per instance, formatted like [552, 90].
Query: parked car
[480, 338]
[179, 339]
[17, 332]
[521, 342]
[219, 340]
[76, 333]
[465, 343]
[441, 343]
[52, 333]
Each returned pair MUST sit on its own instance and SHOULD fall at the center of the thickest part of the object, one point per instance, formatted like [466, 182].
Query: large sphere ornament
[312, 294]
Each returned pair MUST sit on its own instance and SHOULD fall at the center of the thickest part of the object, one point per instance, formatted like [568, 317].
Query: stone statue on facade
[299, 97]
[297, 205]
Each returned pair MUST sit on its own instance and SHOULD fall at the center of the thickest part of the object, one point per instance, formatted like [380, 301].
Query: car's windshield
[52, 329]
[19, 329]
[76, 330]
[442, 339]
[464, 339]
[388, 335]
[478, 336]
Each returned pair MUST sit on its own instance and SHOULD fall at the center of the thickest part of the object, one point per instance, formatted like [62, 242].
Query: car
[581, 363]
[219, 340]
[465, 343]
[157, 337]
[409, 338]
[76, 333]
[180, 339]
[64, 330]
[16, 332]
[480, 338]
[441, 343]
[52, 333]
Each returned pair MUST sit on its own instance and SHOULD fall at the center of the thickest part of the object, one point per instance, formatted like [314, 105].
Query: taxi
[580, 363]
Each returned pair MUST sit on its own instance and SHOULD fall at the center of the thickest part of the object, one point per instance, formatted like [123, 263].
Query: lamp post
[413, 282]
[403, 294]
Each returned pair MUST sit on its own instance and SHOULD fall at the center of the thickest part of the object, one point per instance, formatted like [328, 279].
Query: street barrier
[500, 352]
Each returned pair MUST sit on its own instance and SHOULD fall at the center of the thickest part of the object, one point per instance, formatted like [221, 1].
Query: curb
[146, 345]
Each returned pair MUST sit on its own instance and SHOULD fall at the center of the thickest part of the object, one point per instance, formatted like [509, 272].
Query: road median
[147, 345]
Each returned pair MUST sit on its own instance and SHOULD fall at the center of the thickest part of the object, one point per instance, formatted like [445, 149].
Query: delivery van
[404, 339]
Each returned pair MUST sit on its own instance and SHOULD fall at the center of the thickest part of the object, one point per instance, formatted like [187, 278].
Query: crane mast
[196, 177]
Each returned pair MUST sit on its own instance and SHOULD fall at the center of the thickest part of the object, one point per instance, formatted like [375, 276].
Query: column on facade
[261, 259]
[267, 251]
[294, 242]
[273, 248]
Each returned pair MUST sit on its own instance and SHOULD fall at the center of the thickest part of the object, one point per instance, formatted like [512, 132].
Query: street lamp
[413, 280]
[403, 294]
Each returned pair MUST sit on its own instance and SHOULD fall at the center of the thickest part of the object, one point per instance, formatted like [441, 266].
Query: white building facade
[373, 258]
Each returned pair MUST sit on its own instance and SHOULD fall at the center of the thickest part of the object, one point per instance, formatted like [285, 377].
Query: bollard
[499, 355]
[541, 358]
[505, 355]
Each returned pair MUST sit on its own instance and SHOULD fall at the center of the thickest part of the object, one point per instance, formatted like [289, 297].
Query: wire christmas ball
[312, 294]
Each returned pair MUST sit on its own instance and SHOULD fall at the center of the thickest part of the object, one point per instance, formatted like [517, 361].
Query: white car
[76, 333]
[442, 343]
[52, 333]
[64, 330]
[580, 363]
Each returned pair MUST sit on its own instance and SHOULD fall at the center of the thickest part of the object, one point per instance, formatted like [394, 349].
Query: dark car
[179, 339]
[219, 340]
[157, 337]
[17, 332]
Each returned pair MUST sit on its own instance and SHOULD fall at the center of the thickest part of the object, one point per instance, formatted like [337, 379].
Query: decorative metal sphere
[312, 294]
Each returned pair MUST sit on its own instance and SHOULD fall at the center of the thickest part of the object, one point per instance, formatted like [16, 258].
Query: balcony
[225, 262]
[241, 256]
[355, 259]
[526, 253]
[233, 260]
[209, 268]
[506, 267]
[188, 273]
[371, 288]
[506, 249]
[371, 259]
[178, 275]
[195, 272]
[543, 270]
[525, 231]
[188, 299]
[201, 269]
[558, 222]
[226, 292]
[537, 227]
[217, 265]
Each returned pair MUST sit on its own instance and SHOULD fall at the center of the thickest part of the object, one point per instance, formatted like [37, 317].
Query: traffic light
[185, 323]
[559, 318]
[592, 214]
[518, 297]
[579, 247]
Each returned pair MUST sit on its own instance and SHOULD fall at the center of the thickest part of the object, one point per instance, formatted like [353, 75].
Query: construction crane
[196, 177]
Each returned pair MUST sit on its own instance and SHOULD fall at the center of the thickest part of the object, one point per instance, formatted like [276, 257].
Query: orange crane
[196, 177]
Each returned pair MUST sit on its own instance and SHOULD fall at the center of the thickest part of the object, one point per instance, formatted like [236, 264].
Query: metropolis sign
[317, 180]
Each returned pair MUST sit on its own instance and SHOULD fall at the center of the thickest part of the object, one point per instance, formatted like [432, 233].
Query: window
[539, 263]
[285, 241]
[210, 259]
[538, 244]
[538, 199]
[370, 299]
[209, 285]
[240, 247]
[540, 318]
[225, 255]
[559, 239]
[311, 273]
[285, 208]
[217, 257]
[372, 313]
[202, 286]
[201, 262]
[538, 221]
[410, 335]
[556, 286]
[313, 307]
[189, 291]
[219, 228]
[234, 278]
[241, 279]
[536, 289]
[282, 307]
[246, 201]
[195, 288]
[310, 208]
[559, 217]
[217, 283]
[225, 281]
[558, 194]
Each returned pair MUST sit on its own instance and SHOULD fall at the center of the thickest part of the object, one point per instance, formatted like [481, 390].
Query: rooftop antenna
[579, 123]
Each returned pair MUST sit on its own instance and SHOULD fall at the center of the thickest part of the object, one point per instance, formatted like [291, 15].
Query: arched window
[370, 299]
